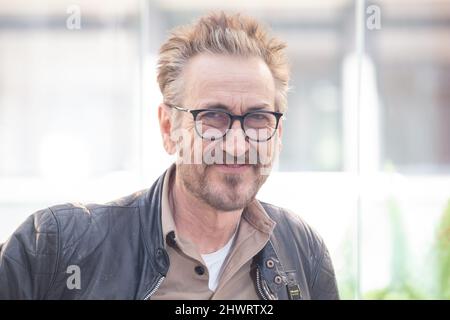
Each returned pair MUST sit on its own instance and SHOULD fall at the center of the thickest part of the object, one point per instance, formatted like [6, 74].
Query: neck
[193, 217]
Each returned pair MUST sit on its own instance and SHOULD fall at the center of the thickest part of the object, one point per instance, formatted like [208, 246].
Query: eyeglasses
[213, 124]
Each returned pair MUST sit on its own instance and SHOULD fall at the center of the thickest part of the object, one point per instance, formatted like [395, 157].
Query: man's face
[239, 85]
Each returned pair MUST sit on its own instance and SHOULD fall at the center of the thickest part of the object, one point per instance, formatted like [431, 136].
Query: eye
[212, 115]
[214, 119]
[258, 116]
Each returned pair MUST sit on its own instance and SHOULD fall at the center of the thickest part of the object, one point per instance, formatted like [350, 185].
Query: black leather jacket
[118, 249]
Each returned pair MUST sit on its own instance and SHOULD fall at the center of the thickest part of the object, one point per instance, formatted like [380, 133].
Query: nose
[235, 141]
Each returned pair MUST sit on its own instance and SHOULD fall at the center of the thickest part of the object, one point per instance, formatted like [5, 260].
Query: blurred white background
[366, 150]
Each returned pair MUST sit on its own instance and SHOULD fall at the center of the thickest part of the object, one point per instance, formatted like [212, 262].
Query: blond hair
[221, 33]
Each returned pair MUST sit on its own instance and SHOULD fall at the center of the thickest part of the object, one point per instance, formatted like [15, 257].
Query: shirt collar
[254, 213]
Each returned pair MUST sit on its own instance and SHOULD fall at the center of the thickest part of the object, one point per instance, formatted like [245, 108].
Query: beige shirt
[185, 280]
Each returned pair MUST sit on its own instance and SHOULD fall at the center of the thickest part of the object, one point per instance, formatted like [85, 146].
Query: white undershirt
[214, 262]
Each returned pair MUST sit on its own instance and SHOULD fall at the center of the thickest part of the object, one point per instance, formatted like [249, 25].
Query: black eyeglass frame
[233, 117]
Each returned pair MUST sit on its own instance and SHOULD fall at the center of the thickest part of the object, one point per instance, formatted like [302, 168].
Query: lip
[233, 168]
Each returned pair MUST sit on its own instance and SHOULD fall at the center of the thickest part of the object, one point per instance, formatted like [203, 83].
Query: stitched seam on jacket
[91, 220]
[15, 261]
[319, 264]
[31, 252]
[96, 207]
[58, 247]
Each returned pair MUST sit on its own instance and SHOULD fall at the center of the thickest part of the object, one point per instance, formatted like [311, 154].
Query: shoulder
[302, 248]
[40, 250]
[36, 236]
[295, 239]
[85, 213]
[75, 220]
[292, 224]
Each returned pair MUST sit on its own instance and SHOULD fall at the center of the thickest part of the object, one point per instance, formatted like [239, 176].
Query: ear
[165, 126]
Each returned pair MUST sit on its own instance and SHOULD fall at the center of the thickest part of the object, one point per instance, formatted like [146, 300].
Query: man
[198, 232]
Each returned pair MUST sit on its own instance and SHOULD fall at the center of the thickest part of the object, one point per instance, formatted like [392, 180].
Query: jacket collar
[152, 236]
[151, 226]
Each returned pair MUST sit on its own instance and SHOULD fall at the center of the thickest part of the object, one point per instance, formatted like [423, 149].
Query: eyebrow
[220, 106]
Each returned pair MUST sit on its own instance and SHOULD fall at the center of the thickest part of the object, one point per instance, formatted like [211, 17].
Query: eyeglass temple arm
[177, 107]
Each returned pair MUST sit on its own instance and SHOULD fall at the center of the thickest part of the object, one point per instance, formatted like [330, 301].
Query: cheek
[183, 142]
[211, 151]
[265, 150]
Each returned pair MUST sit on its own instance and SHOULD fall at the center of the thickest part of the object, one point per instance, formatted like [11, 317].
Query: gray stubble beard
[198, 185]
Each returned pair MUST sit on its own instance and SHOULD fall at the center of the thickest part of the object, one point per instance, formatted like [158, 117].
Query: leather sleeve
[28, 260]
[324, 285]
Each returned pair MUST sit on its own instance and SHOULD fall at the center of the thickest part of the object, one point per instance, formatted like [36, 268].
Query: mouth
[233, 168]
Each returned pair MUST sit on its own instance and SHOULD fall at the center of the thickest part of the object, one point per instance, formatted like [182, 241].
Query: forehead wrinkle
[234, 96]
[210, 77]
[229, 83]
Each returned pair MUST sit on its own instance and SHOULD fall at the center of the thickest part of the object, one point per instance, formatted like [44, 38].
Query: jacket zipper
[155, 288]
[258, 284]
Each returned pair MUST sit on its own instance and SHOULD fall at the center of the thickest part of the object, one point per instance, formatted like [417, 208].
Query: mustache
[227, 158]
